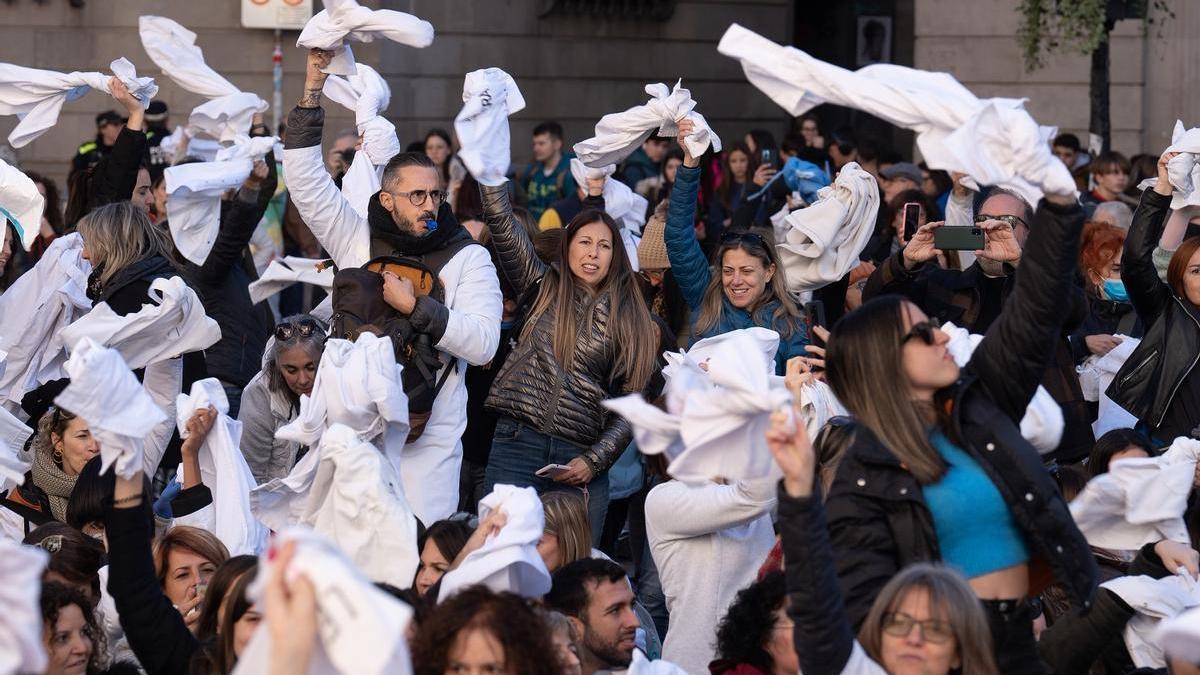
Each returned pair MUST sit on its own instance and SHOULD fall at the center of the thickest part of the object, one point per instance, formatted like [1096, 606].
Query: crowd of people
[739, 407]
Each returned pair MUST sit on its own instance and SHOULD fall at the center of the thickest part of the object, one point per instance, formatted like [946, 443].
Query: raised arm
[340, 229]
[518, 259]
[1012, 357]
[681, 511]
[1149, 295]
[115, 176]
[239, 220]
[688, 265]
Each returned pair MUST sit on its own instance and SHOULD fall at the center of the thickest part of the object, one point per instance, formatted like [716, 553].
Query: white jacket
[430, 466]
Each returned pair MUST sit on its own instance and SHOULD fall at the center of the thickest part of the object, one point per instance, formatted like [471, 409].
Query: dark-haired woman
[441, 545]
[747, 287]
[479, 631]
[755, 637]
[587, 336]
[938, 470]
[1159, 383]
[73, 640]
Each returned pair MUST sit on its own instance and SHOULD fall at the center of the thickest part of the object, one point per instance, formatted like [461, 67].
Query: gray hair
[1115, 213]
[313, 344]
[1026, 209]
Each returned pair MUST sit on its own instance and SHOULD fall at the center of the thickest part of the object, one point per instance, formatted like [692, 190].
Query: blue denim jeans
[519, 451]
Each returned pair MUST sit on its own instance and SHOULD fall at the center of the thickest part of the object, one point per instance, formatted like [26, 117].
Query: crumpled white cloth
[618, 135]
[995, 141]
[35, 309]
[37, 96]
[624, 205]
[22, 647]
[283, 272]
[716, 421]
[822, 242]
[360, 629]
[223, 469]
[509, 559]
[343, 20]
[21, 203]
[1139, 501]
[368, 95]
[1182, 171]
[358, 384]
[172, 325]
[12, 465]
[202, 148]
[1180, 636]
[641, 665]
[225, 118]
[118, 410]
[1095, 374]
[817, 406]
[282, 502]
[490, 95]
[1043, 423]
[1153, 600]
[195, 191]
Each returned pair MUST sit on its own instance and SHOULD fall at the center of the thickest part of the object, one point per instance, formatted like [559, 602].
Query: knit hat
[652, 249]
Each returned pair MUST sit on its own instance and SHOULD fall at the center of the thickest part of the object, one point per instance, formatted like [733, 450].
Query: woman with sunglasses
[587, 336]
[925, 620]
[747, 288]
[272, 399]
[937, 470]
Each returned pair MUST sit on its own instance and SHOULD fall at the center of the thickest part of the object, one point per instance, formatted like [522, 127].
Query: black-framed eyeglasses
[288, 330]
[924, 331]
[1012, 221]
[743, 236]
[899, 624]
[418, 197]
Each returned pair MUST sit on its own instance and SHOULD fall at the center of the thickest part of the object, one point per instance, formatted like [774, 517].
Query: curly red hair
[1100, 245]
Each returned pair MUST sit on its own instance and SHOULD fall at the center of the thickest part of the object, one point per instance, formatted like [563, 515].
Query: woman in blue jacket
[747, 288]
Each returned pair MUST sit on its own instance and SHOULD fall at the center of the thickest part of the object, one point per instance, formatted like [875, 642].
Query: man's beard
[409, 227]
[609, 653]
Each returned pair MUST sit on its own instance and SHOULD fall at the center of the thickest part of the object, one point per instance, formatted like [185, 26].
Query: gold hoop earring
[57, 455]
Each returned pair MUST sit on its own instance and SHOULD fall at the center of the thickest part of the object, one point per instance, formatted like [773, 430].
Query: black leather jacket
[532, 387]
[1146, 385]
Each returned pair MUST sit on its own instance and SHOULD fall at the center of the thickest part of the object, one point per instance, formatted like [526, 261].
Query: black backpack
[359, 307]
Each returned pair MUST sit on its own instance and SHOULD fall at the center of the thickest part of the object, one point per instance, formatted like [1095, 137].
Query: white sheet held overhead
[1139, 501]
[360, 629]
[20, 203]
[625, 206]
[822, 242]
[509, 559]
[223, 469]
[619, 135]
[995, 140]
[343, 20]
[22, 647]
[37, 96]
[1182, 171]
[490, 95]
[172, 325]
[368, 95]
[173, 49]
[284, 272]
[35, 309]
[122, 417]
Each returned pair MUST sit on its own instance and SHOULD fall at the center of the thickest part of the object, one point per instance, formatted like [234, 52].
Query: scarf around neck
[385, 230]
[53, 481]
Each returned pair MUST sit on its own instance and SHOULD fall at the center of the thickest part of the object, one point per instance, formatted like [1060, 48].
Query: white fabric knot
[343, 20]
[490, 95]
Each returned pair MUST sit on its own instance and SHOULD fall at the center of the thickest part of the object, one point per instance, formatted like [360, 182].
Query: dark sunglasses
[746, 237]
[1012, 221]
[287, 330]
[924, 331]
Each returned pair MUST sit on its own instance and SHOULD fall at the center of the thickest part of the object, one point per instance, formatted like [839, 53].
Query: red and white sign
[281, 14]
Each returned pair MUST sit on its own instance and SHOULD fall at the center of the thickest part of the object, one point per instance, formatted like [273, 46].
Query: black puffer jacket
[878, 519]
[532, 387]
[1147, 384]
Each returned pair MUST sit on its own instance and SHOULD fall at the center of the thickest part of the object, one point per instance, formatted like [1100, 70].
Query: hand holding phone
[552, 471]
[958, 239]
[912, 220]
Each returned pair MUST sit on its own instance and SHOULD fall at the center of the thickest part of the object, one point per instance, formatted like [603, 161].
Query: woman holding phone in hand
[586, 335]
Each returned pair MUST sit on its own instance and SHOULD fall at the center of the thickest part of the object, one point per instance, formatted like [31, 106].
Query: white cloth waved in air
[223, 470]
[20, 203]
[122, 417]
[720, 415]
[344, 20]
[619, 135]
[490, 95]
[37, 96]
[1153, 600]
[821, 243]
[360, 629]
[625, 206]
[1139, 501]
[367, 94]
[509, 559]
[1042, 424]
[995, 141]
[1182, 170]
[22, 646]
[283, 272]
[194, 194]
[172, 325]
[35, 309]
